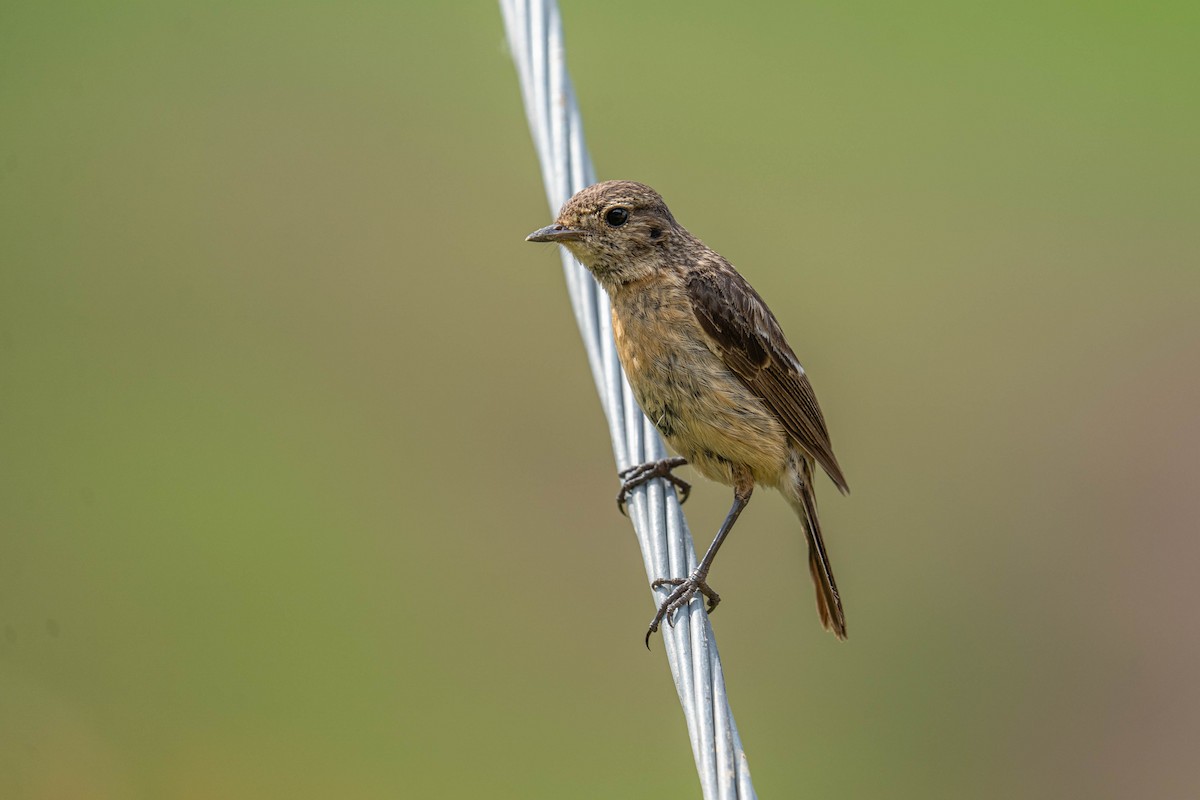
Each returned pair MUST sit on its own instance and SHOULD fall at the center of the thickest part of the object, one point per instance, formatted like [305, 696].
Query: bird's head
[620, 230]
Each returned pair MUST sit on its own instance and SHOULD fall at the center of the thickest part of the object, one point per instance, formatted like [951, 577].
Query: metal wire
[535, 39]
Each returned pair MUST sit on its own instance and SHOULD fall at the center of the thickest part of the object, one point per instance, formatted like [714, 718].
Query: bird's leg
[686, 588]
[636, 476]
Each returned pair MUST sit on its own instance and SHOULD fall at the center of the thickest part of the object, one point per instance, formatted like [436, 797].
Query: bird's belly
[703, 411]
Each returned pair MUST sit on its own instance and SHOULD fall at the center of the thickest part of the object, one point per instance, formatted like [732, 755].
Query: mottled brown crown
[598, 196]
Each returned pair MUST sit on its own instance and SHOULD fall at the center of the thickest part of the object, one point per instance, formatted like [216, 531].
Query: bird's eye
[616, 217]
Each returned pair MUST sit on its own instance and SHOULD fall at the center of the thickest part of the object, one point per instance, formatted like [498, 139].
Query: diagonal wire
[535, 40]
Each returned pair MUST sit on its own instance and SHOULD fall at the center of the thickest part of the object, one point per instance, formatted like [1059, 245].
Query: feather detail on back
[745, 334]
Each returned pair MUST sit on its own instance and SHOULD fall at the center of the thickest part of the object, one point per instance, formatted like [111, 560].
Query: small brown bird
[709, 366]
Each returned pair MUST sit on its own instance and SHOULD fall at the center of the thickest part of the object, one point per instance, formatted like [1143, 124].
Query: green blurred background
[301, 466]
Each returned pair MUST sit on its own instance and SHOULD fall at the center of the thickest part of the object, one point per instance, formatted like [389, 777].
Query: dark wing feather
[749, 340]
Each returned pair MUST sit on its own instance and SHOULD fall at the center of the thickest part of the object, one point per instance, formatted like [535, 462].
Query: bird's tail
[799, 492]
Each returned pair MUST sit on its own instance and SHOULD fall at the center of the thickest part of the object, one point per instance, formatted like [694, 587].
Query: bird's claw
[637, 475]
[685, 590]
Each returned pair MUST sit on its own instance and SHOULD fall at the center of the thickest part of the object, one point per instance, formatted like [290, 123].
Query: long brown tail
[829, 603]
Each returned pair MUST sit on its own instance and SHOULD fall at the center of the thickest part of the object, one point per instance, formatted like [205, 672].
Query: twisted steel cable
[535, 39]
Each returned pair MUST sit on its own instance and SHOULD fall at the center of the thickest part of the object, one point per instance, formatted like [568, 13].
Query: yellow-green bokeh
[305, 492]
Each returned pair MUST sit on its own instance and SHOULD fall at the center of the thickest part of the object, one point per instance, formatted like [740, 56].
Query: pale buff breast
[701, 408]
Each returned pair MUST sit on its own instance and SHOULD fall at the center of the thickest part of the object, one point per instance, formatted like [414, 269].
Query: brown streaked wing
[749, 340]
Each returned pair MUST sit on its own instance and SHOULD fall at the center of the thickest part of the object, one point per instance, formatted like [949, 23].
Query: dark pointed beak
[555, 233]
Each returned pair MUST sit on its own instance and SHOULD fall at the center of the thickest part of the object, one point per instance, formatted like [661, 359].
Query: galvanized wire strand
[535, 39]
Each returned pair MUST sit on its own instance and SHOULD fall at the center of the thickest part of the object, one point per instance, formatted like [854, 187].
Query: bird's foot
[636, 476]
[685, 590]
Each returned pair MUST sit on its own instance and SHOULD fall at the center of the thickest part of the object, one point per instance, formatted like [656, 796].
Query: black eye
[616, 217]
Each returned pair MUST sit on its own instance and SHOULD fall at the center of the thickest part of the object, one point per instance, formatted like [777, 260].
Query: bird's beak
[555, 233]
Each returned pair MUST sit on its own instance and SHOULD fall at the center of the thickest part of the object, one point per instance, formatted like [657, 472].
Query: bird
[710, 367]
